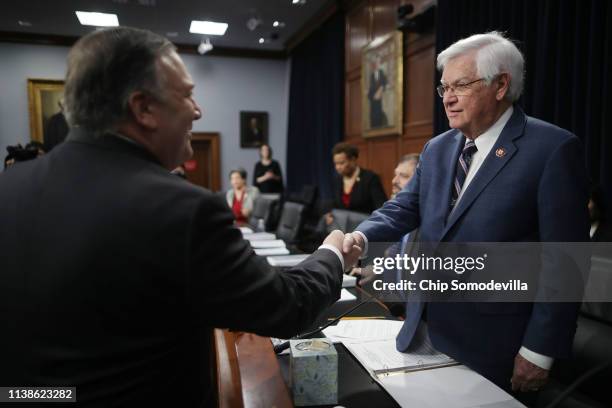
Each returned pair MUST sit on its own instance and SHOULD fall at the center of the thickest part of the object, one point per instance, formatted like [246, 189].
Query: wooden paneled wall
[366, 21]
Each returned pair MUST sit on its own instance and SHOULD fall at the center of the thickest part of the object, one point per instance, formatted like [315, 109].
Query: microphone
[279, 348]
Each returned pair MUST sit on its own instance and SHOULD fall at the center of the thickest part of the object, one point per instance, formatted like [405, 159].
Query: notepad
[271, 251]
[272, 243]
[380, 357]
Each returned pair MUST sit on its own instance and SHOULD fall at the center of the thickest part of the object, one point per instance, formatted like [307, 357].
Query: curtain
[316, 106]
[567, 46]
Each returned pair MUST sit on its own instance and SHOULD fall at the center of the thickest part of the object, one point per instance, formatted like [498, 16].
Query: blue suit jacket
[536, 191]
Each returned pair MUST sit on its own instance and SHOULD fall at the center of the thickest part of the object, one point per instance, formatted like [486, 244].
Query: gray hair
[412, 157]
[495, 54]
[104, 68]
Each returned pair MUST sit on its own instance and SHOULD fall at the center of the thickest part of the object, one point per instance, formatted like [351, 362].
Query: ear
[142, 108]
[503, 83]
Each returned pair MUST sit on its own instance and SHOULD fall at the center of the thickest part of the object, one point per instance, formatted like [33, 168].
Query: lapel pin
[501, 152]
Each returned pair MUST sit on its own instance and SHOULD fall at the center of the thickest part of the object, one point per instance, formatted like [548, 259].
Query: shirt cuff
[364, 254]
[335, 251]
[538, 359]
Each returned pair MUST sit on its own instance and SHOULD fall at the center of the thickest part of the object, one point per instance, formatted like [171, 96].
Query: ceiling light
[253, 22]
[295, 1]
[207, 27]
[97, 19]
[24, 23]
[261, 40]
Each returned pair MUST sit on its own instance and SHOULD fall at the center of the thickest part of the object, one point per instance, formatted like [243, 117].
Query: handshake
[350, 246]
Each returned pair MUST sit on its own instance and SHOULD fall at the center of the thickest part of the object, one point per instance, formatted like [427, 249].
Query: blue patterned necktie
[463, 165]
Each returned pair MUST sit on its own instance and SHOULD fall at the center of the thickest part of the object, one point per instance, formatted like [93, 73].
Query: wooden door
[204, 168]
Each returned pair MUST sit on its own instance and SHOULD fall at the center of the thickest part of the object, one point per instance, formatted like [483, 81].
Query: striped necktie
[463, 165]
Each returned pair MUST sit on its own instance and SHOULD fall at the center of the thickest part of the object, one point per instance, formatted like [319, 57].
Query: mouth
[453, 113]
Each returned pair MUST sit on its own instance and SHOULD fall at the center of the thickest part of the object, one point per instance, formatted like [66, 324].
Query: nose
[197, 111]
[449, 98]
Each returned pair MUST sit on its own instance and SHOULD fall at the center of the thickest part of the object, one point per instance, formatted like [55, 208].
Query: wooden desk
[248, 372]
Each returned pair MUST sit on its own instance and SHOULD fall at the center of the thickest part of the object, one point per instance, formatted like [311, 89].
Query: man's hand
[364, 275]
[329, 218]
[527, 376]
[337, 239]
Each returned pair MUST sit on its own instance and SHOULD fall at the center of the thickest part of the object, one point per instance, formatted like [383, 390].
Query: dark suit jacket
[114, 272]
[536, 191]
[367, 194]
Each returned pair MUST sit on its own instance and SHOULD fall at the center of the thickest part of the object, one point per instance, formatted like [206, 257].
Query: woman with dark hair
[267, 176]
[240, 197]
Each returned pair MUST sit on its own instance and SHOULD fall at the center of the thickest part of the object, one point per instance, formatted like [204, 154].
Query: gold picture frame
[44, 96]
[382, 86]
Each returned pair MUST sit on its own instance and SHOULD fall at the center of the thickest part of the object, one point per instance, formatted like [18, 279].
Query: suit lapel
[498, 157]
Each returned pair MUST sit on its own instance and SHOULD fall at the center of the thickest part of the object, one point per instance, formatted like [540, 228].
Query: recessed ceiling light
[275, 24]
[97, 19]
[207, 27]
[24, 23]
[261, 40]
[298, 1]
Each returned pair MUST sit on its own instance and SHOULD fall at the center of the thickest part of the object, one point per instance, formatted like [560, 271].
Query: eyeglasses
[459, 89]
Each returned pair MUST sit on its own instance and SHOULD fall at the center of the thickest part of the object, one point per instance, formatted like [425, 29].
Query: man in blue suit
[496, 176]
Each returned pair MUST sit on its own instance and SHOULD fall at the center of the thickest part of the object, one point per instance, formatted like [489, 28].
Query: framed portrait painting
[44, 98]
[382, 86]
[253, 129]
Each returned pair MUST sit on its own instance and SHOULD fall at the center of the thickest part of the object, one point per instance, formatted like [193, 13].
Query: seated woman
[267, 176]
[354, 188]
[240, 197]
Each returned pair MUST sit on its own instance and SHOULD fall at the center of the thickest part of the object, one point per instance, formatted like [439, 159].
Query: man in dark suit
[114, 271]
[496, 176]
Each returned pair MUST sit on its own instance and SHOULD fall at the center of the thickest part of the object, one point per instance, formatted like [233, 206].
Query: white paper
[265, 243]
[287, 260]
[381, 356]
[451, 387]
[346, 296]
[256, 236]
[271, 251]
[364, 330]
[349, 281]
[245, 230]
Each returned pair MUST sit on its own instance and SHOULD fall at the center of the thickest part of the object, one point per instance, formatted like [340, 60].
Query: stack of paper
[256, 236]
[271, 251]
[287, 260]
[363, 330]
[245, 230]
[272, 243]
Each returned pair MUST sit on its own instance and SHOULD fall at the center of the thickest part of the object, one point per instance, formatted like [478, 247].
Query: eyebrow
[455, 81]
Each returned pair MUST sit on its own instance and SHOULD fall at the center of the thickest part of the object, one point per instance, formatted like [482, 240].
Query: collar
[110, 141]
[485, 141]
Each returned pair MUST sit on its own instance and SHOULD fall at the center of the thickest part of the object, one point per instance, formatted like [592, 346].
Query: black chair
[290, 223]
[264, 213]
[345, 220]
[592, 347]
